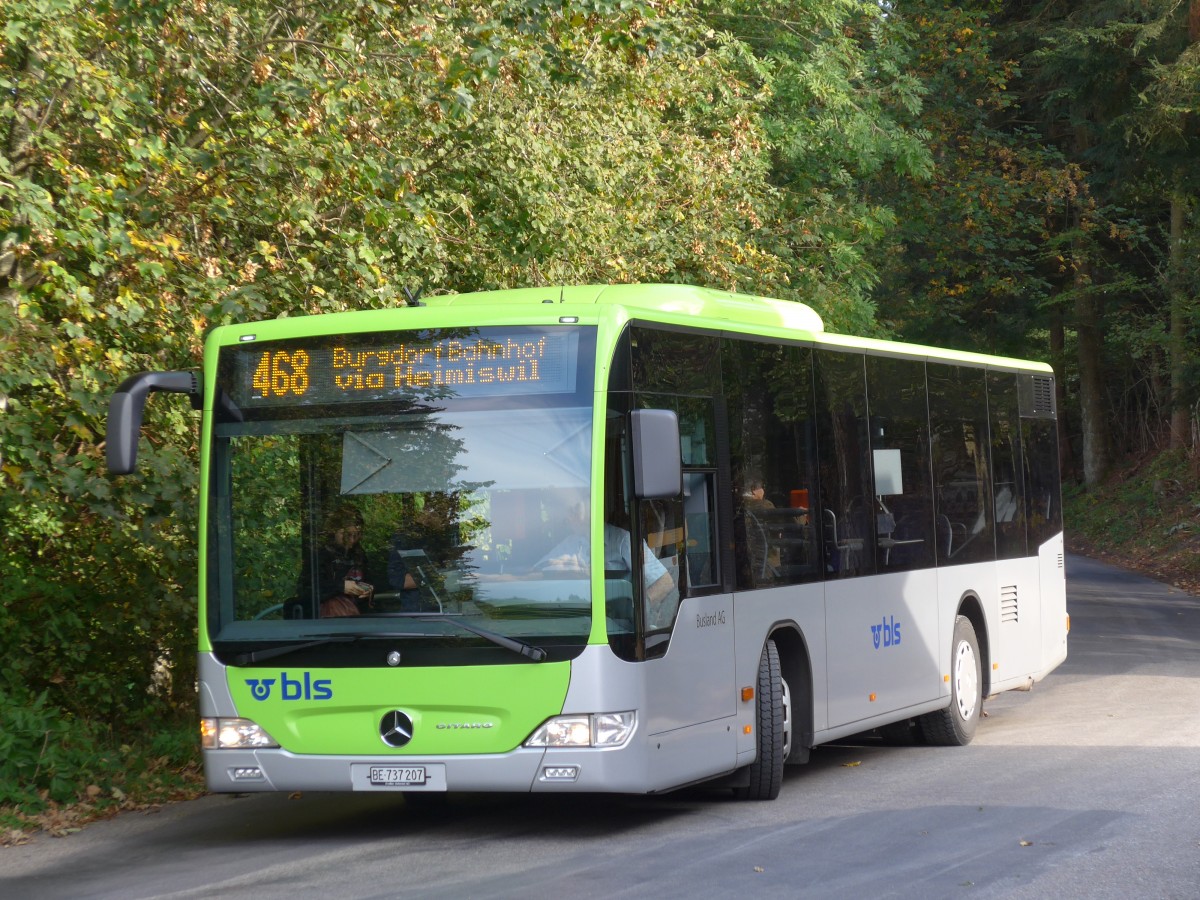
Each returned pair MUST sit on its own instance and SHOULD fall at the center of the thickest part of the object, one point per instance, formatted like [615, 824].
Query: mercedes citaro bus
[608, 538]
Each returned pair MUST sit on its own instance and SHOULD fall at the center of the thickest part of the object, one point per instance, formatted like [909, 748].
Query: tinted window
[904, 528]
[958, 422]
[1043, 500]
[847, 507]
[1008, 491]
[768, 391]
[680, 372]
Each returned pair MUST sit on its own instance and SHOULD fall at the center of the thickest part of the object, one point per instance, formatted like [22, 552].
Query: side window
[1008, 480]
[621, 615]
[681, 372]
[899, 425]
[671, 541]
[847, 505]
[700, 519]
[962, 491]
[668, 362]
[1043, 499]
[769, 394]
[663, 569]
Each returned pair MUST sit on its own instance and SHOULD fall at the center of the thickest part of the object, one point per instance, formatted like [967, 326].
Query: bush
[44, 754]
[58, 772]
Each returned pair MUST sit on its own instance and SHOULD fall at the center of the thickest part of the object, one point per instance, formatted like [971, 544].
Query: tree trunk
[1058, 359]
[1177, 292]
[16, 146]
[1180, 418]
[1093, 417]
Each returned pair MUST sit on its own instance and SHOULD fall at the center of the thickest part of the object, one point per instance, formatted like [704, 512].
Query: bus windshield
[417, 509]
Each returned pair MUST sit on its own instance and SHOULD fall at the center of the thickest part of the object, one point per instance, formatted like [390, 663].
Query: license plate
[397, 776]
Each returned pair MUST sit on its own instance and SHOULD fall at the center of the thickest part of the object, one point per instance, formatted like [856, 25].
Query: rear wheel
[772, 722]
[955, 725]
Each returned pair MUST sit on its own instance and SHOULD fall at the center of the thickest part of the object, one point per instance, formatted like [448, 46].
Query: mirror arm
[127, 405]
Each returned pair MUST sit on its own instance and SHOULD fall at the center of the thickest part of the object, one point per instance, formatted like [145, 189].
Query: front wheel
[772, 723]
[955, 725]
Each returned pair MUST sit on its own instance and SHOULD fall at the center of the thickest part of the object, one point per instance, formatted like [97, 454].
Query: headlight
[595, 730]
[233, 734]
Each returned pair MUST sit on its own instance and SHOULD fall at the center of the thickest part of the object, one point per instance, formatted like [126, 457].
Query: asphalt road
[1089, 786]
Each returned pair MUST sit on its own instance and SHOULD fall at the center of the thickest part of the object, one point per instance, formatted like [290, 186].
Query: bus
[622, 538]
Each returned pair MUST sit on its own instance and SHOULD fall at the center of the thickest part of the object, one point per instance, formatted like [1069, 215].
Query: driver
[431, 531]
[573, 554]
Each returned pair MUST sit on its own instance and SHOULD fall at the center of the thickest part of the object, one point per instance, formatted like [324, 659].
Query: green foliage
[1158, 529]
[1110, 86]
[841, 110]
[57, 775]
[37, 752]
[972, 247]
[975, 171]
[172, 166]
[48, 755]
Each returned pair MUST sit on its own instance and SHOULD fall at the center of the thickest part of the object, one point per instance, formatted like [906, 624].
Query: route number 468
[280, 373]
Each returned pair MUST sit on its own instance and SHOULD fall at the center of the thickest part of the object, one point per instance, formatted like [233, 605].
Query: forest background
[1011, 177]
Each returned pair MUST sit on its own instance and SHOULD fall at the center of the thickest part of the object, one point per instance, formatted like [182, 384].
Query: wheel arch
[795, 665]
[971, 607]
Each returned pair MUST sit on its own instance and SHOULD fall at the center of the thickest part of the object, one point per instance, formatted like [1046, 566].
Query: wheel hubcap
[966, 679]
[787, 718]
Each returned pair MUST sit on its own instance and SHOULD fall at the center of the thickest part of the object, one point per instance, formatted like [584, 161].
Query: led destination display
[486, 363]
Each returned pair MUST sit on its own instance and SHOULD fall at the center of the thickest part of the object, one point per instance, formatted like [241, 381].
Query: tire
[772, 726]
[955, 725]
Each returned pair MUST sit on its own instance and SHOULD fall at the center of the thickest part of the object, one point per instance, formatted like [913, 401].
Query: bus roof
[669, 299]
[670, 304]
[744, 313]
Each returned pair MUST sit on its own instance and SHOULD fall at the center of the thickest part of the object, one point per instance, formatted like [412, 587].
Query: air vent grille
[1043, 395]
[1009, 607]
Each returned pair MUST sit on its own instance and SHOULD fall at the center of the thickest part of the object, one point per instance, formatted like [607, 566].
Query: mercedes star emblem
[396, 729]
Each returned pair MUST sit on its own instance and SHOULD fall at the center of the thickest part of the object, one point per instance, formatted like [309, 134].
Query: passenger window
[1008, 491]
[899, 428]
[847, 493]
[961, 471]
[700, 517]
[769, 397]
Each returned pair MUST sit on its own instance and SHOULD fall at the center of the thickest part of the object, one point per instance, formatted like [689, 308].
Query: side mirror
[657, 460]
[125, 413]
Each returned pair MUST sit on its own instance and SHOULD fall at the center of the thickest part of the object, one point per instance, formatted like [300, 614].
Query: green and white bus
[804, 536]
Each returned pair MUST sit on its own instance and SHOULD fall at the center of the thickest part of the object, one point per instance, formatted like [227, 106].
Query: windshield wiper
[537, 654]
[253, 656]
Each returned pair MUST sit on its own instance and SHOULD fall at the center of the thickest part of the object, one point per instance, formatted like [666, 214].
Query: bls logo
[292, 688]
[886, 633]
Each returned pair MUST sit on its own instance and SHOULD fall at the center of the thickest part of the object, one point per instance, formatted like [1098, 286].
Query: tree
[1163, 125]
[1092, 71]
[970, 244]
[169, 166]
[842, 109]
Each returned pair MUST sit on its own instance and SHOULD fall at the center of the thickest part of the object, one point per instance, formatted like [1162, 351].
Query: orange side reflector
[872, 698]
[747, 694]
[747, 729]
[946, 678]
[1068, 624]
[995, 666]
